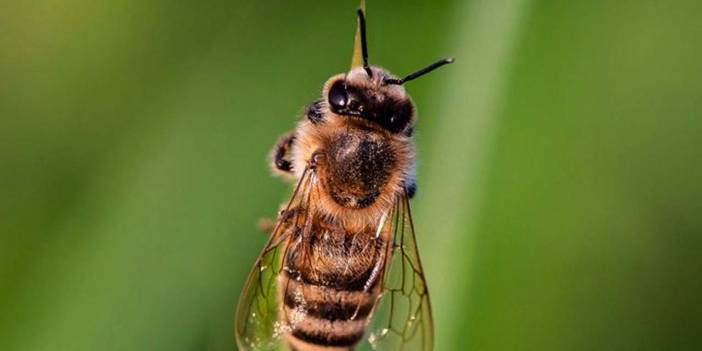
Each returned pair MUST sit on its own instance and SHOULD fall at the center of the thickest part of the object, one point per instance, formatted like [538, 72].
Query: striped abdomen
[329, 287]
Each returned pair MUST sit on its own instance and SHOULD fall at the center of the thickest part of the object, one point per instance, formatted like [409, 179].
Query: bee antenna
[364, 45]
[419, 73]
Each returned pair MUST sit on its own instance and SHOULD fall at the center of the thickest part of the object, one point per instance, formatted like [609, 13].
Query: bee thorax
[358, 166]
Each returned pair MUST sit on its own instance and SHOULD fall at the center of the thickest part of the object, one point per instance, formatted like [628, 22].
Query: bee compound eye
[337, 95]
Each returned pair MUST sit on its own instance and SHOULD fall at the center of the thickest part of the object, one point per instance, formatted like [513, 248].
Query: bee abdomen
[324, 316]
[329, 286]
[328, 303]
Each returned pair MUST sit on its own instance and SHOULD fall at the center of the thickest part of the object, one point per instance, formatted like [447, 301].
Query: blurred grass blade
[486, 35]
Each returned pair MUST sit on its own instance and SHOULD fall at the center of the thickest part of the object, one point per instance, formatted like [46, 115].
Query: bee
[341, 267]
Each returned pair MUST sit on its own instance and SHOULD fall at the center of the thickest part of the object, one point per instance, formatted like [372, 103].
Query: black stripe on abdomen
[336, 306]
[336, 281]
[328, 339]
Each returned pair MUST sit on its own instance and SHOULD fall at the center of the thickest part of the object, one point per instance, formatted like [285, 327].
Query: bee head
[372, 93]
[359, 95]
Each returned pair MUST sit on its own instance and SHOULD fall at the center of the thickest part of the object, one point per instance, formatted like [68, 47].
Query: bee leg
[411, 189]
[314, 112]
[410, 182]
[280, 153]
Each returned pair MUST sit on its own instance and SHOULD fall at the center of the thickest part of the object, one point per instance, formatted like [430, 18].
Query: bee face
[359, 94]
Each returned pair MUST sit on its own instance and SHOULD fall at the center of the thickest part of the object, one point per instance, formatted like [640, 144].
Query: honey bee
[341, 267]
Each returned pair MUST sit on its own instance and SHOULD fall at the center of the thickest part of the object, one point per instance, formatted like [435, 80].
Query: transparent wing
[256, 326]
[402, 319]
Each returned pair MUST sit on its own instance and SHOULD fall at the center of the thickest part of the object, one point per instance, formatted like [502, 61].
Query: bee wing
[256, 324]
[402, 319]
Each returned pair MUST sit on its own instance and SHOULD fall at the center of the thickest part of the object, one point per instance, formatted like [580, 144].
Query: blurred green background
[560, 175]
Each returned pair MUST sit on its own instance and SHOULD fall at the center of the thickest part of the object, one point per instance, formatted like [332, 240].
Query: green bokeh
[560, 194]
